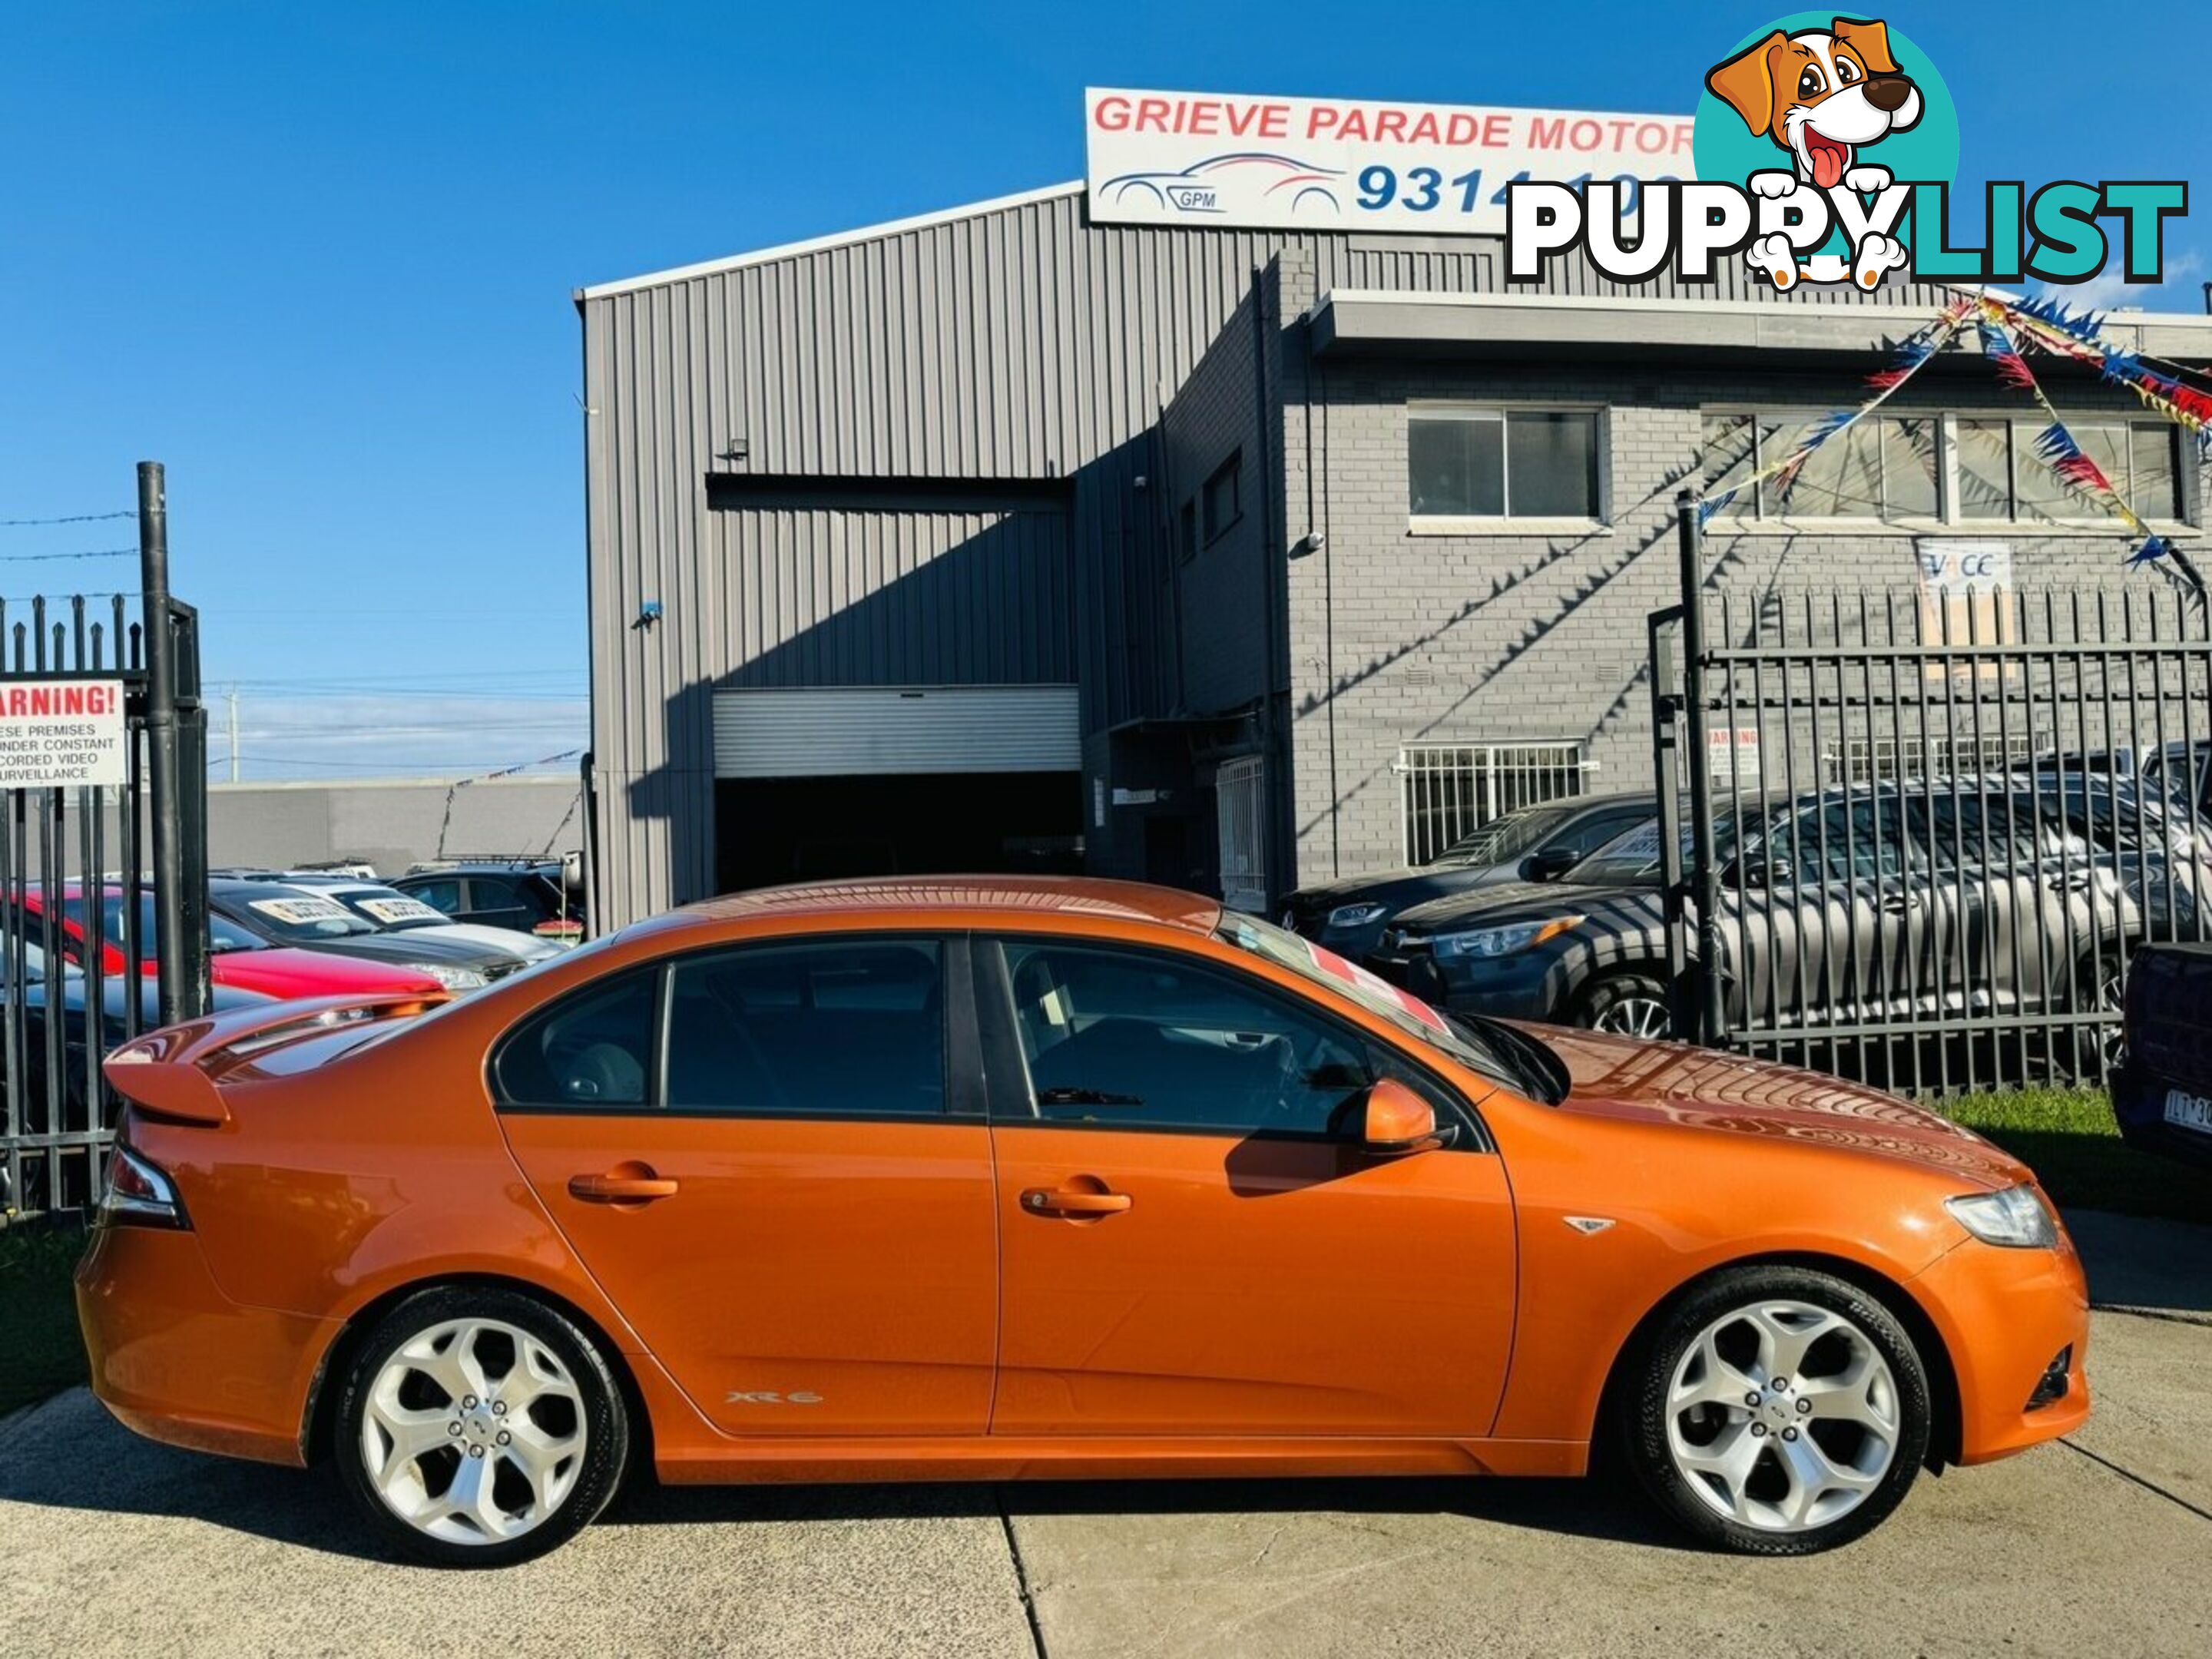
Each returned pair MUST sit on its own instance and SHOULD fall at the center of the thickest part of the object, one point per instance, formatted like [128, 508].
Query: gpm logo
[1826, 148]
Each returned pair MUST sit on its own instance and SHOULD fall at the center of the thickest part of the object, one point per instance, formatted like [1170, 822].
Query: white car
[395, 911]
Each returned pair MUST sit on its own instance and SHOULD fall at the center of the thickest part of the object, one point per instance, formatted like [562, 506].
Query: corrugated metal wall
[1017, 342]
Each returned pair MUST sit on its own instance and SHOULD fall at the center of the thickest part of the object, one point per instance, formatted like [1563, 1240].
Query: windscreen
[1509, 836]
[298, 918]
[1464, 1043]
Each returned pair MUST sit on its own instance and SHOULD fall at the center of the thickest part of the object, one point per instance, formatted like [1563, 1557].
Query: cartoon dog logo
[1822, 95]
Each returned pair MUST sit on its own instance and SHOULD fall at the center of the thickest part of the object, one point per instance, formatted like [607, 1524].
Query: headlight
[1355, 916]
[1502, 941]
[453, 979]
[2016, 1216]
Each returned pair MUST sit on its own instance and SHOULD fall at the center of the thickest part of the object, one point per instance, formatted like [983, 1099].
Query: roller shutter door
[833, 731]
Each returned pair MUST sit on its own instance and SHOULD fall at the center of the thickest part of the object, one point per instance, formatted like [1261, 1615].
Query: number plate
[2188, 1111]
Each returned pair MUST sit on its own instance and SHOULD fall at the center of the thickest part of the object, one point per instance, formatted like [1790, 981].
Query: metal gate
[1912, 836]
[92, 876]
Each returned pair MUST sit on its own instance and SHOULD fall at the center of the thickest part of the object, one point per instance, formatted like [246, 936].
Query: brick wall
[1399, 637]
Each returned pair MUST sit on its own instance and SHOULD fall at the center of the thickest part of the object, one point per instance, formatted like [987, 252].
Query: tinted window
[844, 1027]
[590, 1050]
[1856, 841]
[488, 894]
[1593, 832]
[296, 918]
[1140, 1040]
[223, 934]
[1507, 837]
[444, 896]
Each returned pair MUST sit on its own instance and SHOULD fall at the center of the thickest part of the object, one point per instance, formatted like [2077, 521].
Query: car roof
[1120, 900]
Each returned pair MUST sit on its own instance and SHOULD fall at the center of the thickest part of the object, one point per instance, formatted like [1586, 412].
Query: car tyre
[479, 1427]
[1633, 1005]
[1832, 1370]
[2101, 1048]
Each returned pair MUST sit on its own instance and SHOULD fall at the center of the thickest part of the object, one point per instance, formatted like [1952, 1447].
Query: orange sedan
[992, 1178]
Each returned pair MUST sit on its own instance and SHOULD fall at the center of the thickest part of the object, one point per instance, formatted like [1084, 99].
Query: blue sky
[318, 258]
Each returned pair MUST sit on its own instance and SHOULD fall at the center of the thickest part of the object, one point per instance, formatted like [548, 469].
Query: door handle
[628, 1183]
[1072, 1201]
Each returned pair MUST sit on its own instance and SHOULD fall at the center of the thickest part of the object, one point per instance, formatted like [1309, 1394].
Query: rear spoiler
[172, 1073]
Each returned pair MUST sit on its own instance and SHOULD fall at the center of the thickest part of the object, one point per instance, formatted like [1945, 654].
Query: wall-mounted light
[1308, 545]
[648, 613]
[741, 449]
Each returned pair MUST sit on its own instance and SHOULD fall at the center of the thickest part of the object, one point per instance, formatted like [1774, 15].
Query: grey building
[1001, 539]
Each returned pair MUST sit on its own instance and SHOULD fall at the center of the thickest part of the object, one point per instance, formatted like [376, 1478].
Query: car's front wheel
[1777, 1411]
[1627, 1005]
[479, 1427]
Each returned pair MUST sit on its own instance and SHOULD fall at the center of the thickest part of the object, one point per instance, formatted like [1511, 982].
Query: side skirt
[986, 1457]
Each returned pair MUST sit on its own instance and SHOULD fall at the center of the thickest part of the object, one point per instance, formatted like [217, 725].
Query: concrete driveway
[2097, 1546]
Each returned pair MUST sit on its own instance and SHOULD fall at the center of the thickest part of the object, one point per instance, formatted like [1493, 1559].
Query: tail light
[138, 1192]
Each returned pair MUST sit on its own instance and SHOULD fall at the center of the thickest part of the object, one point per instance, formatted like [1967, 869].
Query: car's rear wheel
[1626, 1004]
[1777, 1411]
[479, 1427]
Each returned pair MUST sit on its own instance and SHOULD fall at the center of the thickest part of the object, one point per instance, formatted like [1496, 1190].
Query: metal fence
[1915, 842]
[1448, 790]
[93, 875]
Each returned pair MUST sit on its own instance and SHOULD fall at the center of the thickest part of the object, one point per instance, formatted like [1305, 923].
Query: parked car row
[275, 934]
[1848, 907]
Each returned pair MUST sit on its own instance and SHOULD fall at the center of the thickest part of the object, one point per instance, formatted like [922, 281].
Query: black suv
[531, 896]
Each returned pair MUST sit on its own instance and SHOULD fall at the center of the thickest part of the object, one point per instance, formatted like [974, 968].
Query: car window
[1839, 841]
[2003, 830]
[1129, 1038]
[299, 918]
[1506, 837]
[847, 1027]
[592, 1048]
[444, 897]
[1585, 836]
[490, 896]
[397, 911]
[223, 934]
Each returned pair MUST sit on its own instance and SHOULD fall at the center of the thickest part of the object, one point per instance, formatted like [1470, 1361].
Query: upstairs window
[1221, 501]
[1933, 468]
[1502, 464]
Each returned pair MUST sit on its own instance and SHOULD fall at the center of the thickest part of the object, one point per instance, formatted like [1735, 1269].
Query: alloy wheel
[1634, 1015]
[2112, 1040]
[473, 1432]
[1783, 1417]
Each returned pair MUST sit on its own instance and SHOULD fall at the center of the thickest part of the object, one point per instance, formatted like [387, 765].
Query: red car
[235, 958]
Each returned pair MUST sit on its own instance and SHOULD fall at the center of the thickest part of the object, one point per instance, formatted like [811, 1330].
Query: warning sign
[57, 734]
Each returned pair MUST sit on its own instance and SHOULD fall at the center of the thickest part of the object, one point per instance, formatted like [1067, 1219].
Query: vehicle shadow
[2135, 1261]
[70, 1455]
[1600, 1508]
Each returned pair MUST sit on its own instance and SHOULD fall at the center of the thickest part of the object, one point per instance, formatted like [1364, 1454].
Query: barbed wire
[69, 518]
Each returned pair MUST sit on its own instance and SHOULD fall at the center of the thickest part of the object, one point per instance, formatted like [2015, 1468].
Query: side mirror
[1396, 1121]
[1550, 863]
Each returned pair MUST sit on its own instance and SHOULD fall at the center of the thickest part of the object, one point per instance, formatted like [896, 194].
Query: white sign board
[1966, 566]
[1214, 160]
[1732, 757]
[61, 734]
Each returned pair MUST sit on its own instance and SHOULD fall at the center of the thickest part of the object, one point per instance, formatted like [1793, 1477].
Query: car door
[1190, 1241]
[770, 1159]
[493, 902]
[1832, 908]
